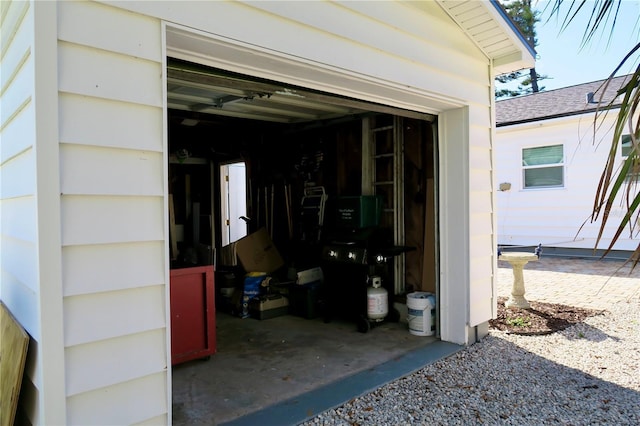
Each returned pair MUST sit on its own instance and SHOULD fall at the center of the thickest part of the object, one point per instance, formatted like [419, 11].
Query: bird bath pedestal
[517, 260]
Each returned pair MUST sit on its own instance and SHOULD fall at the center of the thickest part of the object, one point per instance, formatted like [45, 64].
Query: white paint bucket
[421, 313]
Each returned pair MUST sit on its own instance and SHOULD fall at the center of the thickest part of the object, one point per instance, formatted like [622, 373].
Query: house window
[543, 167]
[626, 145]
[626, 150]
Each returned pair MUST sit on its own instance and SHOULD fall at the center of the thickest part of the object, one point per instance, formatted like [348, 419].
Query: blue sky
[561, 57]
[564, 59]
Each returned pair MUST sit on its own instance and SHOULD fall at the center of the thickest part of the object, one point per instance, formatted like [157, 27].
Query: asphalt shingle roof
[562, 102]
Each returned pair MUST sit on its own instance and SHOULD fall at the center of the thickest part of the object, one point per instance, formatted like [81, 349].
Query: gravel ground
[586, 374]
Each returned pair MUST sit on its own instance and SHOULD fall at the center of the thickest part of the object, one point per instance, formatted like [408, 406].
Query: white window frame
[634, 175]
[561, 165]
[622, 147]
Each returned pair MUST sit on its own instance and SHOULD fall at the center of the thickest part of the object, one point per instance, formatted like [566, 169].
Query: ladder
[383, 174]
[313, 204]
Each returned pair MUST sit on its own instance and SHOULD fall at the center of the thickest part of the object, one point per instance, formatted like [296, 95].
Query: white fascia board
[512, 62]
[528, 53]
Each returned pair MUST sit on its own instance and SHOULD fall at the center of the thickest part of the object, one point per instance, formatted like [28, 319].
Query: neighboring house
[549, 151]
[86, 101]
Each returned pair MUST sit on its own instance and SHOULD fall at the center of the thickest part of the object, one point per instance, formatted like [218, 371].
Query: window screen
[543, 166]
[626, 150]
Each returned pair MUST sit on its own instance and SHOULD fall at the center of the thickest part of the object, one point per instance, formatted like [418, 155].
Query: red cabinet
[193, 316]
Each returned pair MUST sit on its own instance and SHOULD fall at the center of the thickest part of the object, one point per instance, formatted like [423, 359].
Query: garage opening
[339, 196]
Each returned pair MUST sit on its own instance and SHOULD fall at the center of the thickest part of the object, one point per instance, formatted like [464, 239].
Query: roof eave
[509, 52]
[524, 57]
[515, 32]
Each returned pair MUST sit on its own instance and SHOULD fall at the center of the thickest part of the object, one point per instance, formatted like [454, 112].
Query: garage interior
[303, 157]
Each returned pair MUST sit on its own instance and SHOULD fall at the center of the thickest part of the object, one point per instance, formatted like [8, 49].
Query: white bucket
[421, 313]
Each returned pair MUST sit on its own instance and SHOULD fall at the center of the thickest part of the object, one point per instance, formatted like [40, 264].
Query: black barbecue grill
[349, 258]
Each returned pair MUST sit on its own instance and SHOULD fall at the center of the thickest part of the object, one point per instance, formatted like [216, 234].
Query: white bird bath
[517, 260]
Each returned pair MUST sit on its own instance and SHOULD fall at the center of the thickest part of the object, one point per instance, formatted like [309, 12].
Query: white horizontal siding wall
[87, 234]
[348, 46]
[553, 216]
[113, 183]
[30, 276]
[19, 286]
[17, 164]
[467, 221]
[482, 253]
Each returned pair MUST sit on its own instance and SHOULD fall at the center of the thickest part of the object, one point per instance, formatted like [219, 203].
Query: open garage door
[293, 141]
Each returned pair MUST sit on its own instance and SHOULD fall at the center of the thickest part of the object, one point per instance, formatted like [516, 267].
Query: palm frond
[604, 13]
[618, 183]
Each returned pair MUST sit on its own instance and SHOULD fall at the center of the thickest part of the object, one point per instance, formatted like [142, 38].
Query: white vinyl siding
[555, 217]
[104, 364]
[135, 262]
[416, 43]
[17, 162]
[137, 402]
[481, 216]
[143, 124]
[113, 182]
[92, 319]
[27, 168]
[437, 60]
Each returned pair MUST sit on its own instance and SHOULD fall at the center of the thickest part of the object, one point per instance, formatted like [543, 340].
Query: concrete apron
[288, 368]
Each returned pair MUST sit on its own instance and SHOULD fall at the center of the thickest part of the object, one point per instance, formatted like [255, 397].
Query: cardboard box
[257, 253]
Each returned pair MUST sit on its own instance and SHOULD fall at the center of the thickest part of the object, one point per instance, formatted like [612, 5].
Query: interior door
[233, 179]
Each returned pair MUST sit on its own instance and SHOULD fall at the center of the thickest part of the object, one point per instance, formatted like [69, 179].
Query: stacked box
[268, 306]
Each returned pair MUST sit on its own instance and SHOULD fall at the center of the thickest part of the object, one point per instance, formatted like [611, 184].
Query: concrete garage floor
[260, 365]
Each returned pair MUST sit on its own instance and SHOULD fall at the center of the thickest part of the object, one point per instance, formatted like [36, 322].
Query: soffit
[489, 27]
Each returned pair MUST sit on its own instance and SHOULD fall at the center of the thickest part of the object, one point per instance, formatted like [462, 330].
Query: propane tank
[377, 300]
